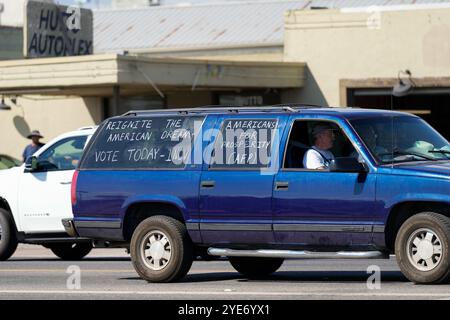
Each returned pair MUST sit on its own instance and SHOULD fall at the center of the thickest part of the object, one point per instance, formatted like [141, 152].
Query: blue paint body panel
[320, 209]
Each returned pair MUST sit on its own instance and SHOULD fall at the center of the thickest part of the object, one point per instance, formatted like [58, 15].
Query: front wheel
[422, 248]
[71, 251]
[8, 239]
[256, 267]
[161, 249]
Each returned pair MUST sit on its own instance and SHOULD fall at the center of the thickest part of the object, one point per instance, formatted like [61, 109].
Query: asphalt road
[35, 273]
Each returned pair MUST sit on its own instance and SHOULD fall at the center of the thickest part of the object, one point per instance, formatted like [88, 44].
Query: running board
[292, 254]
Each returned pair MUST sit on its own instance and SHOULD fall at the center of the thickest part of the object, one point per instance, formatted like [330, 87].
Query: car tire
[8, 236]
[161, 249]
[256, 267]
[71, 251]
[422, 248]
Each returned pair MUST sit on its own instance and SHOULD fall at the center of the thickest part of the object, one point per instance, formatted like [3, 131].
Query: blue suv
[262, 184]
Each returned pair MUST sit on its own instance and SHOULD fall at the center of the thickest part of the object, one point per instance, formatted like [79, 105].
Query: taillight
[73, 189]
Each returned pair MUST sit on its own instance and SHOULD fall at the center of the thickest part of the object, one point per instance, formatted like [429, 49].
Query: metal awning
[97, 75]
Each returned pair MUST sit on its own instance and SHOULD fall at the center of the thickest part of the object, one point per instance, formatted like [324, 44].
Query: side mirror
[31, 164]
[348, 164]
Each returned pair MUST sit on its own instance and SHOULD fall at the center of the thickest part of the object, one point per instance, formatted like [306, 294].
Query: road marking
[216, 293]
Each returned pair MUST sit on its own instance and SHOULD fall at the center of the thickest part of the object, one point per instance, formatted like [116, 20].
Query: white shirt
[316, 158]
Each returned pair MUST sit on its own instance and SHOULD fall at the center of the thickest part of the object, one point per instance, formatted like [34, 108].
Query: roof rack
[298, 105]
[218, 108]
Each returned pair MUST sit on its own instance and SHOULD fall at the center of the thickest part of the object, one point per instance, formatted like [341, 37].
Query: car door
[236, 184]
[44, 194]
[320, 208]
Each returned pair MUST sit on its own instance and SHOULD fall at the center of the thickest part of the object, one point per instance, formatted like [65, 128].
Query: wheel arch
[402, 211]
[139, 211]
[5, 206]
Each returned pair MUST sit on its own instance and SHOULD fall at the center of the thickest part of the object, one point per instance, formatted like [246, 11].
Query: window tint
[63, 155]
[244, 143]
[144, 142]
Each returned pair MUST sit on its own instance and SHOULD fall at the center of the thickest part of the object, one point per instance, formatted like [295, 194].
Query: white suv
[35, 197]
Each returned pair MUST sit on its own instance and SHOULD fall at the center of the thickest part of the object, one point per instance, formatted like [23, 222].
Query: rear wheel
[256, 267]
[422, 248]
[71, 251]
[8, 239]
[161, 249]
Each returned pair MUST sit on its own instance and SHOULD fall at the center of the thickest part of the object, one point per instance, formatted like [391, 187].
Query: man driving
[319, 156]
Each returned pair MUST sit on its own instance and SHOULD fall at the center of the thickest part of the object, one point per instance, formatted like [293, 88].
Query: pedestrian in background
[34, 146]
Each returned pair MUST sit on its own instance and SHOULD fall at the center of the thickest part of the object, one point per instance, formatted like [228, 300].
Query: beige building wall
[366, 44]
[51, 115]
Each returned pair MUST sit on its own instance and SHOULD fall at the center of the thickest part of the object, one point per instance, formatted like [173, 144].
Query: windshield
[401, 139]
[7, 162]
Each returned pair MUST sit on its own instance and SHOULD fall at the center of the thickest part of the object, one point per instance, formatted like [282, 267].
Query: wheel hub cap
[424, 249]
[156, 250]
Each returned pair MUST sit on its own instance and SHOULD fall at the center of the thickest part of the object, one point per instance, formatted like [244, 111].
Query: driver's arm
[314, 161]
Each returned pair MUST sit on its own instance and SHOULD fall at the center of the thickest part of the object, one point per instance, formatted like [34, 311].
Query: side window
[306, 135]
[63, 155]
[244, 144]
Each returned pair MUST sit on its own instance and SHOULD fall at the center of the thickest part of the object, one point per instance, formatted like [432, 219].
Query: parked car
[232, 182]
[7, 162]
[36, 196]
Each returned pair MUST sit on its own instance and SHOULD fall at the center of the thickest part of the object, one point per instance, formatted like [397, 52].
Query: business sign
[254, 98]
[52, 30]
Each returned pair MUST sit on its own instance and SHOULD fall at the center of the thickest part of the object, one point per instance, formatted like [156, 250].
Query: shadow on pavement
[292, 276]
[334, 276]
[201, 277]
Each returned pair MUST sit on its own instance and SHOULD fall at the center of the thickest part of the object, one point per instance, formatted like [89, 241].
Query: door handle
[208, 184]
[281, 185]
[66, 182]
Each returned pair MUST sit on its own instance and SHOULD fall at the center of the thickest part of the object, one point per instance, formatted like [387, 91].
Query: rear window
[158, 142]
